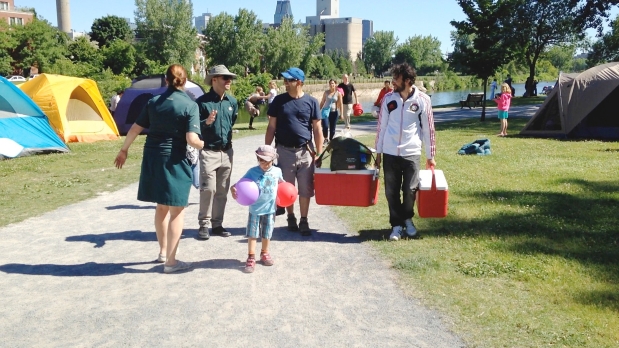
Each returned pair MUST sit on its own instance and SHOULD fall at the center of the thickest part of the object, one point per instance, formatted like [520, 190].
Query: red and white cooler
[357, 188]
[432, 194]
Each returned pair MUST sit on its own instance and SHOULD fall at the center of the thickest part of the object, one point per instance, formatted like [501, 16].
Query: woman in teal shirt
[173, 120]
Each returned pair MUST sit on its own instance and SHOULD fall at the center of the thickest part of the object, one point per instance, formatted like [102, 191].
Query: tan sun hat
[216, 71]
[267, 153]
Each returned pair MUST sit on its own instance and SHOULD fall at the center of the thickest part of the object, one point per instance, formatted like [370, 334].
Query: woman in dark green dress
[173, 120]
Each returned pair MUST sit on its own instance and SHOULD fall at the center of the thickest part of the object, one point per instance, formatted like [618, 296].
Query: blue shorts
[503, 114]
[260, 226]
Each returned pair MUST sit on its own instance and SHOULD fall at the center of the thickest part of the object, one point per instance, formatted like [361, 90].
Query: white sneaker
[396, 233]
[411, 231]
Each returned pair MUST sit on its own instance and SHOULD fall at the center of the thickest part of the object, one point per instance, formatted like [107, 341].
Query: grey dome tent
[582, 105]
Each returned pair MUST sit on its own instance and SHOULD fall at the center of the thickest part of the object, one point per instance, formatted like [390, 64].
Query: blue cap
[294, 73]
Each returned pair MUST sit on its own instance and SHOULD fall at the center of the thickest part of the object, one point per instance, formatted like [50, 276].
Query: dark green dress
[166, 171]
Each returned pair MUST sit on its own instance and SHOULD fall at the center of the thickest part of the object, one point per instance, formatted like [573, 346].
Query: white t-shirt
[114, 102]
[272, 94]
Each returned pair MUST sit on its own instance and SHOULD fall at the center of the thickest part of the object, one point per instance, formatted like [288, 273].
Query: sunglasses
[291, 80]
[225, 77]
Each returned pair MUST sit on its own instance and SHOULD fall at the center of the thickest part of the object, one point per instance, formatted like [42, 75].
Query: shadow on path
[88, 269]
[99, 239]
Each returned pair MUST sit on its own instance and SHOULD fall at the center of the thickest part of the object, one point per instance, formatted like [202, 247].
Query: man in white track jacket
[405, 122]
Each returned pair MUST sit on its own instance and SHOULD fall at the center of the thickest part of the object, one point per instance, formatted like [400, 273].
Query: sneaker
[180, 265]
[221, 231]
[304, 227]
[266, 259]
[203, 233]
[411, 231]
[250, 265]
[161, 258]
[396, 233]
[292, 223]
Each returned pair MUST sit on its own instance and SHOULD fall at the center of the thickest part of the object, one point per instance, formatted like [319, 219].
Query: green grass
[528, 255]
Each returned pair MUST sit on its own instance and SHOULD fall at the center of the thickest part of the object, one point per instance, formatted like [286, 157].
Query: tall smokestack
[64, 15]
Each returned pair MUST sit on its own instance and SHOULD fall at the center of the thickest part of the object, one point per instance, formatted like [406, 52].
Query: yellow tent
[74, 107]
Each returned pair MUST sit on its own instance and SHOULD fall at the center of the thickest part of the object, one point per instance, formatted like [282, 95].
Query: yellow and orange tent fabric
[74, 107]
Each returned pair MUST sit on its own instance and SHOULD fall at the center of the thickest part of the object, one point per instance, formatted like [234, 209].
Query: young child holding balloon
[258, 189]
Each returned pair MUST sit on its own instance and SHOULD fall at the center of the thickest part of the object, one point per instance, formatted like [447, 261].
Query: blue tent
[24, 128]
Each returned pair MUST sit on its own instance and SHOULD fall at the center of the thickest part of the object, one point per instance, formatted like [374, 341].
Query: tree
[489, 47]
[285, 46]
[7, 42]
[166, 32]
[536, 25]
[37, 44]
[591, 13]
[606, 49]
[248, 40]
[219, 34]
[85, 51]
[119, 56]
[561, 56]
[423, 53]
[378, 50]
[106, 29]
[309, 61]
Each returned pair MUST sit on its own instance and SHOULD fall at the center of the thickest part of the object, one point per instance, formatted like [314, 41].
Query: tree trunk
[483, 103]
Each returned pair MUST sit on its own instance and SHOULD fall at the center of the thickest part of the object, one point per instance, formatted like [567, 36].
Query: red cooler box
[432, 194]
[358, 188]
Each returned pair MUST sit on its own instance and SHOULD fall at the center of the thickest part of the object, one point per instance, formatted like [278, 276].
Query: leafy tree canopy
[106, 29]
[378, 50]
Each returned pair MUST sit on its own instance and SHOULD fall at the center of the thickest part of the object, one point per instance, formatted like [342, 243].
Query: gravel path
[83, 275]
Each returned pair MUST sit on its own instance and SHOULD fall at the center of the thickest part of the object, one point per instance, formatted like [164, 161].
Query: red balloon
[286, 194]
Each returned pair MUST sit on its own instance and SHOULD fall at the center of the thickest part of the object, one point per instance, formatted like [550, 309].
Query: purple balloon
[247, 192]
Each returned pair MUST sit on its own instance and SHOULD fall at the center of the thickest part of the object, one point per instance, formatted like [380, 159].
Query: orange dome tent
[74, 106]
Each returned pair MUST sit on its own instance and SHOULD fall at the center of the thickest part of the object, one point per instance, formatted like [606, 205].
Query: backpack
[348, 154]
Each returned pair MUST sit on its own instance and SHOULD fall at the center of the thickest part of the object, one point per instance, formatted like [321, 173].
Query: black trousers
[401, 176]
[328, 125]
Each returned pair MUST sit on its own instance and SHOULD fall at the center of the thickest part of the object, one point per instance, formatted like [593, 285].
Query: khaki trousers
[215, 170]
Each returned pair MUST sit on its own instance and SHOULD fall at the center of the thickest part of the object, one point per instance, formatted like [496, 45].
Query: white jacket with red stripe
[403, 125]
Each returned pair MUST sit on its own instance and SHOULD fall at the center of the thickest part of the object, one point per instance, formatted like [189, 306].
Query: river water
[450, 97]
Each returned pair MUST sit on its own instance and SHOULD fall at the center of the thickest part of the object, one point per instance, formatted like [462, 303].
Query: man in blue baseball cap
[293, 118]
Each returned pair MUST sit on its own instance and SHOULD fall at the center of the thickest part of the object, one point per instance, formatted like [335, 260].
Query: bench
[473, 99]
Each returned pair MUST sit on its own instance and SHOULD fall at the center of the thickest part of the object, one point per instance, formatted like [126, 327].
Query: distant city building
[368, 30]
[12, 15]
[201, 22]
[346, 34]
[282, 10]
[75, 34]
[132, 25]
[63, 13]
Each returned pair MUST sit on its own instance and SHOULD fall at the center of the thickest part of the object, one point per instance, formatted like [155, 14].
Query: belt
[302, 146]
[226, 147]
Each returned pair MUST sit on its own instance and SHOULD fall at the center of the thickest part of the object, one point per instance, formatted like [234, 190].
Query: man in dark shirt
[218, 113]
[294, 118]
[349, 91]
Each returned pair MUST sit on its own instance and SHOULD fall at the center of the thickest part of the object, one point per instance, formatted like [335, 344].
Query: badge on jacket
[414, 107]
[392, 105]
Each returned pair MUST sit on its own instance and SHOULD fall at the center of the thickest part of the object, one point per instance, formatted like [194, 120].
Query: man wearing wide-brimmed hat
[294, 120]
[218, 113]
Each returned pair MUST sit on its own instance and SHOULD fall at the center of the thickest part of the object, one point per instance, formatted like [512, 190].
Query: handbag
[324, 112]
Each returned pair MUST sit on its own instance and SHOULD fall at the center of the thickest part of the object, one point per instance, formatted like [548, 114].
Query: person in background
[503, 102]
[218, 113]
[509, 83]
[262, 212]
[173, 121]
[349, 91]
[405, 123]
[294, 117]
[493, 87]
[272, 91]
[386, 89]
[114, 101]
[252, 104]
[331, 99]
